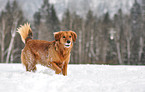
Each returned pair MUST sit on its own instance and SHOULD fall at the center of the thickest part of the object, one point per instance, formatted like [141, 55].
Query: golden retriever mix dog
[54, 54]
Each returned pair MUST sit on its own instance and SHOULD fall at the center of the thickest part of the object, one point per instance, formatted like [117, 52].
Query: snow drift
[81, 78]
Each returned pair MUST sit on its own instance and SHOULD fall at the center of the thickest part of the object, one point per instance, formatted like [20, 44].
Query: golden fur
[54, 54]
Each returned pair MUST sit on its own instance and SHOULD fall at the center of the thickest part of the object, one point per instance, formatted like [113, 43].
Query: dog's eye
[63, 36]
[69, 36]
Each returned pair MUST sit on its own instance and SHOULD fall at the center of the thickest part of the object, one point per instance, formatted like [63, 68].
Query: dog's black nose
[68, 41]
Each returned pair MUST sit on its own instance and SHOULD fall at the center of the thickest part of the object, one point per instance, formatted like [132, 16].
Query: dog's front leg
[56, 68]
[64, 70]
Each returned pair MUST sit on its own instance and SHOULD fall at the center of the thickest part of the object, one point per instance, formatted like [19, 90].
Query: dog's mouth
[67, 45]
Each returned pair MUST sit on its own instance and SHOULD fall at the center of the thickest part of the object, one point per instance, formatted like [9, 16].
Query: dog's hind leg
[31, 65]
[34, 68]
[24, 60]
[28, 60]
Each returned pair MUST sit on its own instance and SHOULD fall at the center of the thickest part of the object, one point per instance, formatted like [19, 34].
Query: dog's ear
[57, 35]
[74, 36]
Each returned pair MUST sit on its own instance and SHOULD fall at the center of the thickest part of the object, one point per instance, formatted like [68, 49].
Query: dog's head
[66, 38]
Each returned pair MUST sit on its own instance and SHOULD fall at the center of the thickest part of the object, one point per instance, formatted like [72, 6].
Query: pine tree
[37, 22]
[118, 28]
[89, 35]
[77, 48]
[37, 18]
[17, 19]
[11, 18]
[54, 20]
[46, 21]
[44, 27]
[66, 21]
[105, 26]
[136, 31]
[18, 45]
[106, 22]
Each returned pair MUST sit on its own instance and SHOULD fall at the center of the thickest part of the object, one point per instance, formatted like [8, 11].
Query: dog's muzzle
[67, 45]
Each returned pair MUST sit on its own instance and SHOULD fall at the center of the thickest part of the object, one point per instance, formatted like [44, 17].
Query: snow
[81, 78]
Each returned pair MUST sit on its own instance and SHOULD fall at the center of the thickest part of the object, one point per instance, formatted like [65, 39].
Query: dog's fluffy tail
[25, 32]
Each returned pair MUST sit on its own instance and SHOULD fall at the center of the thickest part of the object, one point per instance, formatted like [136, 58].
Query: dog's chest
[54, 56]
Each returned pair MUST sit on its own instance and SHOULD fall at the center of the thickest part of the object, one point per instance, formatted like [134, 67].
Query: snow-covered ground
[81, 78]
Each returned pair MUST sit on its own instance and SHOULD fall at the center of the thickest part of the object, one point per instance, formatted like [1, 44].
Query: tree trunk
[80, 46]
[97, 49]
[141, 49]
[128, 50]
[83, 43]
[2, 48]
[119, 53]
[10, 49]
[13, 33]
[104, 51]
[3, 41]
